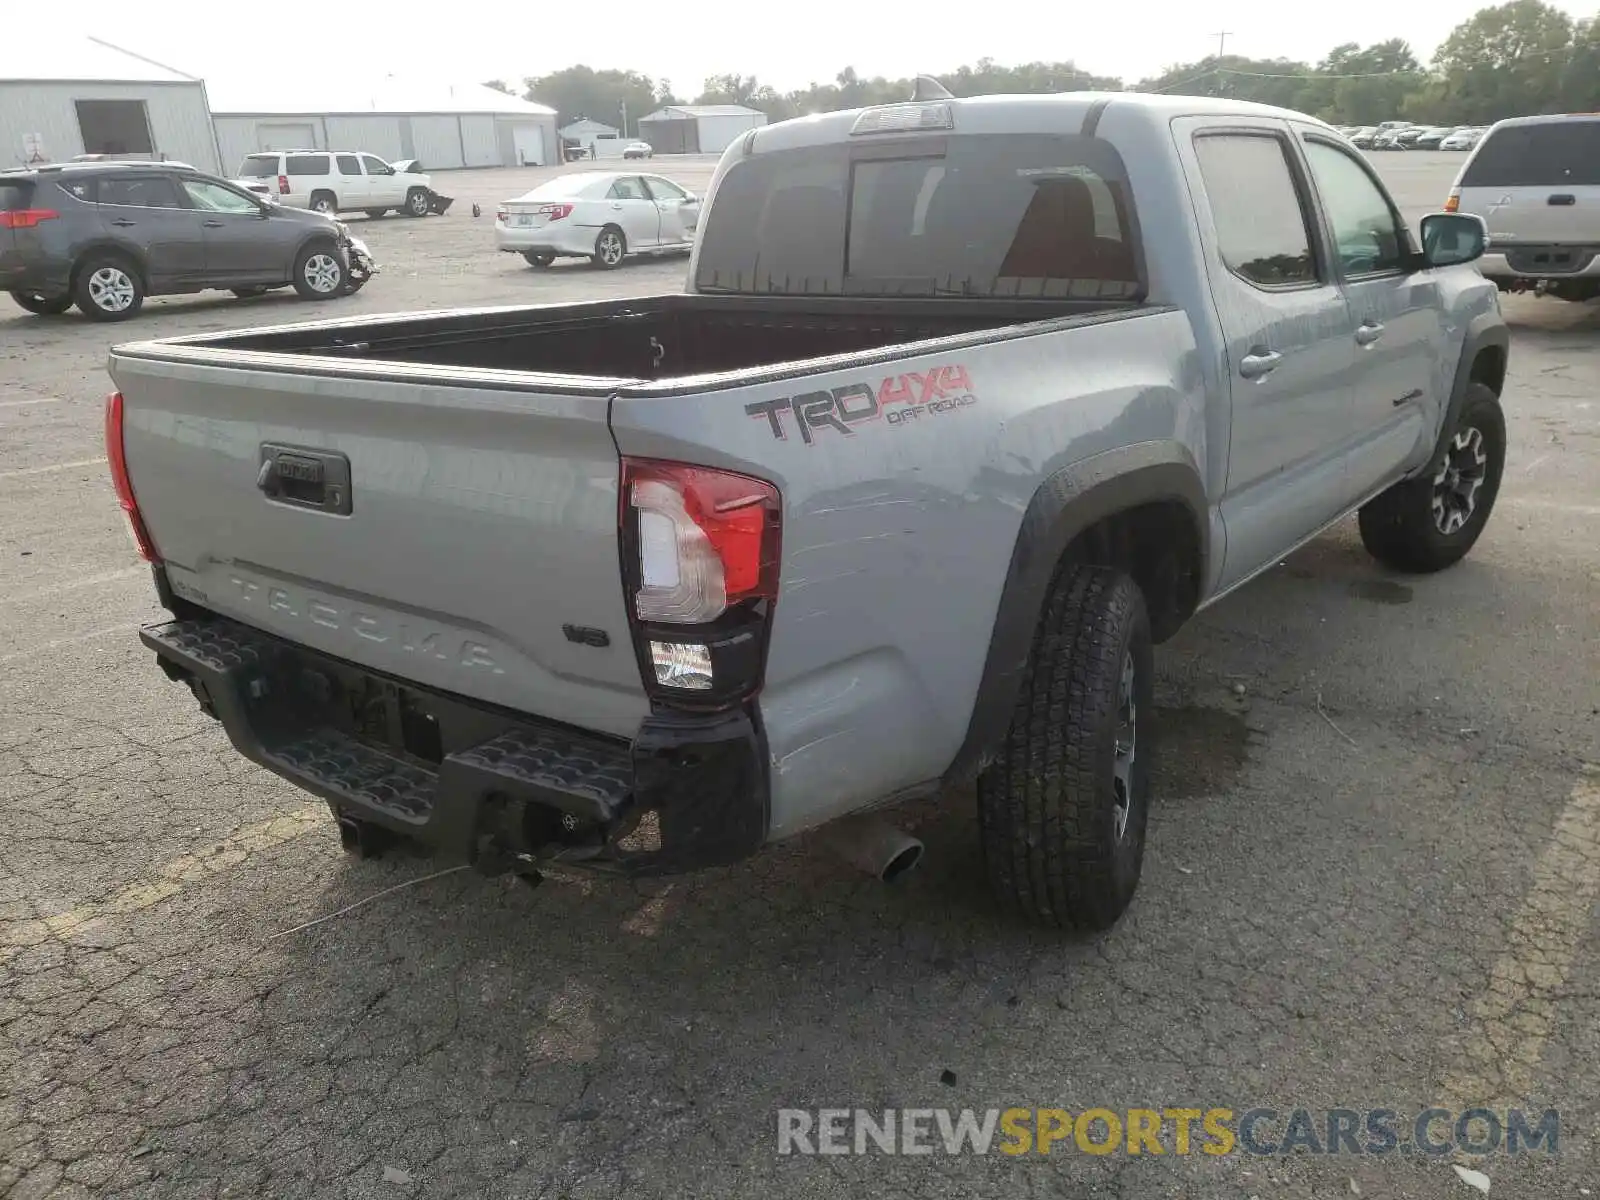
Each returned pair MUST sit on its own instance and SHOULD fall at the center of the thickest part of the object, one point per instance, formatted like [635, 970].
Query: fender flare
[1065, 504]
[1486, 331]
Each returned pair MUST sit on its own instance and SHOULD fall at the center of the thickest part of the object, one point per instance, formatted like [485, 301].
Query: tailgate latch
[305, 478]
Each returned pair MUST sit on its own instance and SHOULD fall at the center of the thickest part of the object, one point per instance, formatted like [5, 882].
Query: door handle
[213, 224]
[1368, 332]
[123, 223]
[617, 207]
[1254, 366]
[1563, 199]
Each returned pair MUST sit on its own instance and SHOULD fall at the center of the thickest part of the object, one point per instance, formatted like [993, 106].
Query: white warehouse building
[443, 126]
[61, 98]
[698, 128]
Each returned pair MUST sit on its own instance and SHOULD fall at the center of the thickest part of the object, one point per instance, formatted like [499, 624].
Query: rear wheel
[610, 248]
[1429, 523]
[319, 272]
[1062, 810]
[324, 202]
[41, 305]
[537, 258]
[107, 288]
[416, 203]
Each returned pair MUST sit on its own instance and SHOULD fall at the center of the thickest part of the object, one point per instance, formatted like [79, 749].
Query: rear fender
[1066, 504]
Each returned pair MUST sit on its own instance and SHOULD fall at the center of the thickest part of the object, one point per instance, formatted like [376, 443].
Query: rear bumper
[562, 238]
[469, 782]
[1541, 262]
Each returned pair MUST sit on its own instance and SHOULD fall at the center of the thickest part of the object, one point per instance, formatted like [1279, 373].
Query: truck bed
[650, 339]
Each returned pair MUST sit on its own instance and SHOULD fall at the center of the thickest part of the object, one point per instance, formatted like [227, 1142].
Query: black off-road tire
[42, 306]
[1048, 806]
[1403, 528]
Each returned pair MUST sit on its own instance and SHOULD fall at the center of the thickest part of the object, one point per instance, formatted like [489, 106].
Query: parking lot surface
[1372, 878]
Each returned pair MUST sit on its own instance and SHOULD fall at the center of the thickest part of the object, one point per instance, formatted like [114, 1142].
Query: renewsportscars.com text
[1178, 1131]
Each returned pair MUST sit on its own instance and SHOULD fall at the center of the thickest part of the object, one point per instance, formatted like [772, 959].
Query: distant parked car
[1362, 138]
[335, 181]
[1464, 138]
[638, 150]
[1430, 137]
[600, 215]
[105, 235]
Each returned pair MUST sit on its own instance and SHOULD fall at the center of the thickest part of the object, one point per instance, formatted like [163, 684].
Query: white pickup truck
[968, 404]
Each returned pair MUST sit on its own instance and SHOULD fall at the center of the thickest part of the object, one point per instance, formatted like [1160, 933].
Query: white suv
[1536, 182]
[331, 181]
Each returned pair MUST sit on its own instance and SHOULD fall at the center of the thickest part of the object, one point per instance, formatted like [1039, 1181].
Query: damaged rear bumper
[470, 782]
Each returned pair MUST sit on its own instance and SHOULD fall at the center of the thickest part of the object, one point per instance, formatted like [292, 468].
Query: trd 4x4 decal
[898, 400]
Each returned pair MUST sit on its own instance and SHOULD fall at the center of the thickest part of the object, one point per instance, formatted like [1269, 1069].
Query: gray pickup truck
[967, 404]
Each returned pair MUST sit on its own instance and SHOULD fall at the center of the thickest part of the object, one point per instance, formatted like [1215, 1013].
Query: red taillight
[707, 539]
[283, 185]
[27, 218]
[555, 212]
[117, 457]
[503, 216]
[700, 560]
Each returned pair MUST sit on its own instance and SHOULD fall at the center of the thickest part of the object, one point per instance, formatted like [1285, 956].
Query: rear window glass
[14, 196]
[563, 186]
[307, 164]
[1559, 154]
[999, 216]
[259, 168]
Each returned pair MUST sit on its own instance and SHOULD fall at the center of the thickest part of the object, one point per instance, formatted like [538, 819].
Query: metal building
[444, 126]
[74, 96]
[698, 128]
[597, 139]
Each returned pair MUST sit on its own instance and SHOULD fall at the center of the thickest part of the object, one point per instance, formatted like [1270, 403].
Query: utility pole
[624, 107]
[1222, 40]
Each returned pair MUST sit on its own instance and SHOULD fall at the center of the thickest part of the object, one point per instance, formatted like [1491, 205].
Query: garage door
[436, 142]
[287, 137]
[478, 141]
[528, 141]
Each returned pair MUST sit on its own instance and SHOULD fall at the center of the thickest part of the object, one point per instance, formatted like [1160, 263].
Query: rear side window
[1025, 215]
[259, 167]
[306, 164]
[348, 164]
[146, 191]
[1262, 234]
[1557, 154]
[15, 195]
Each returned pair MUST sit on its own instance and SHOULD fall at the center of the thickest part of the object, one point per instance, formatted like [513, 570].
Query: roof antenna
[929, 88]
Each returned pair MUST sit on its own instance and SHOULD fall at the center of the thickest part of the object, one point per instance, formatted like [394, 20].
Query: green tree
[1504, 61]
[1580, 74]
[1364, 86]
[580, 91]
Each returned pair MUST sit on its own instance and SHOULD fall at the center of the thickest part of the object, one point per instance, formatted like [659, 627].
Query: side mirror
[1450, 239]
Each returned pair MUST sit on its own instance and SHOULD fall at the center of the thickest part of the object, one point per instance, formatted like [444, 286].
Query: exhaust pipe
[877, 848]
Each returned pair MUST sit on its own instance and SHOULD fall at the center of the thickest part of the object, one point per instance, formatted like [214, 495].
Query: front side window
[139, 191]
[348, 164]
[1368, 238]
[662, 190]
[1004, 216]
[213, 197]
[376, 165]
[1262, 233]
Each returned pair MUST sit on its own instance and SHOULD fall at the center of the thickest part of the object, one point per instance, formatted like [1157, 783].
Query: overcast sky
[786, 45]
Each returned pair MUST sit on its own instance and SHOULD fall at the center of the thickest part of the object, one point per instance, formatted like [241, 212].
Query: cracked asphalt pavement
[1372, 878]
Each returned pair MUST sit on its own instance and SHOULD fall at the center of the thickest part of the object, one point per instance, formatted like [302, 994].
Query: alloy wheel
[111, 289]
[1460, 476]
